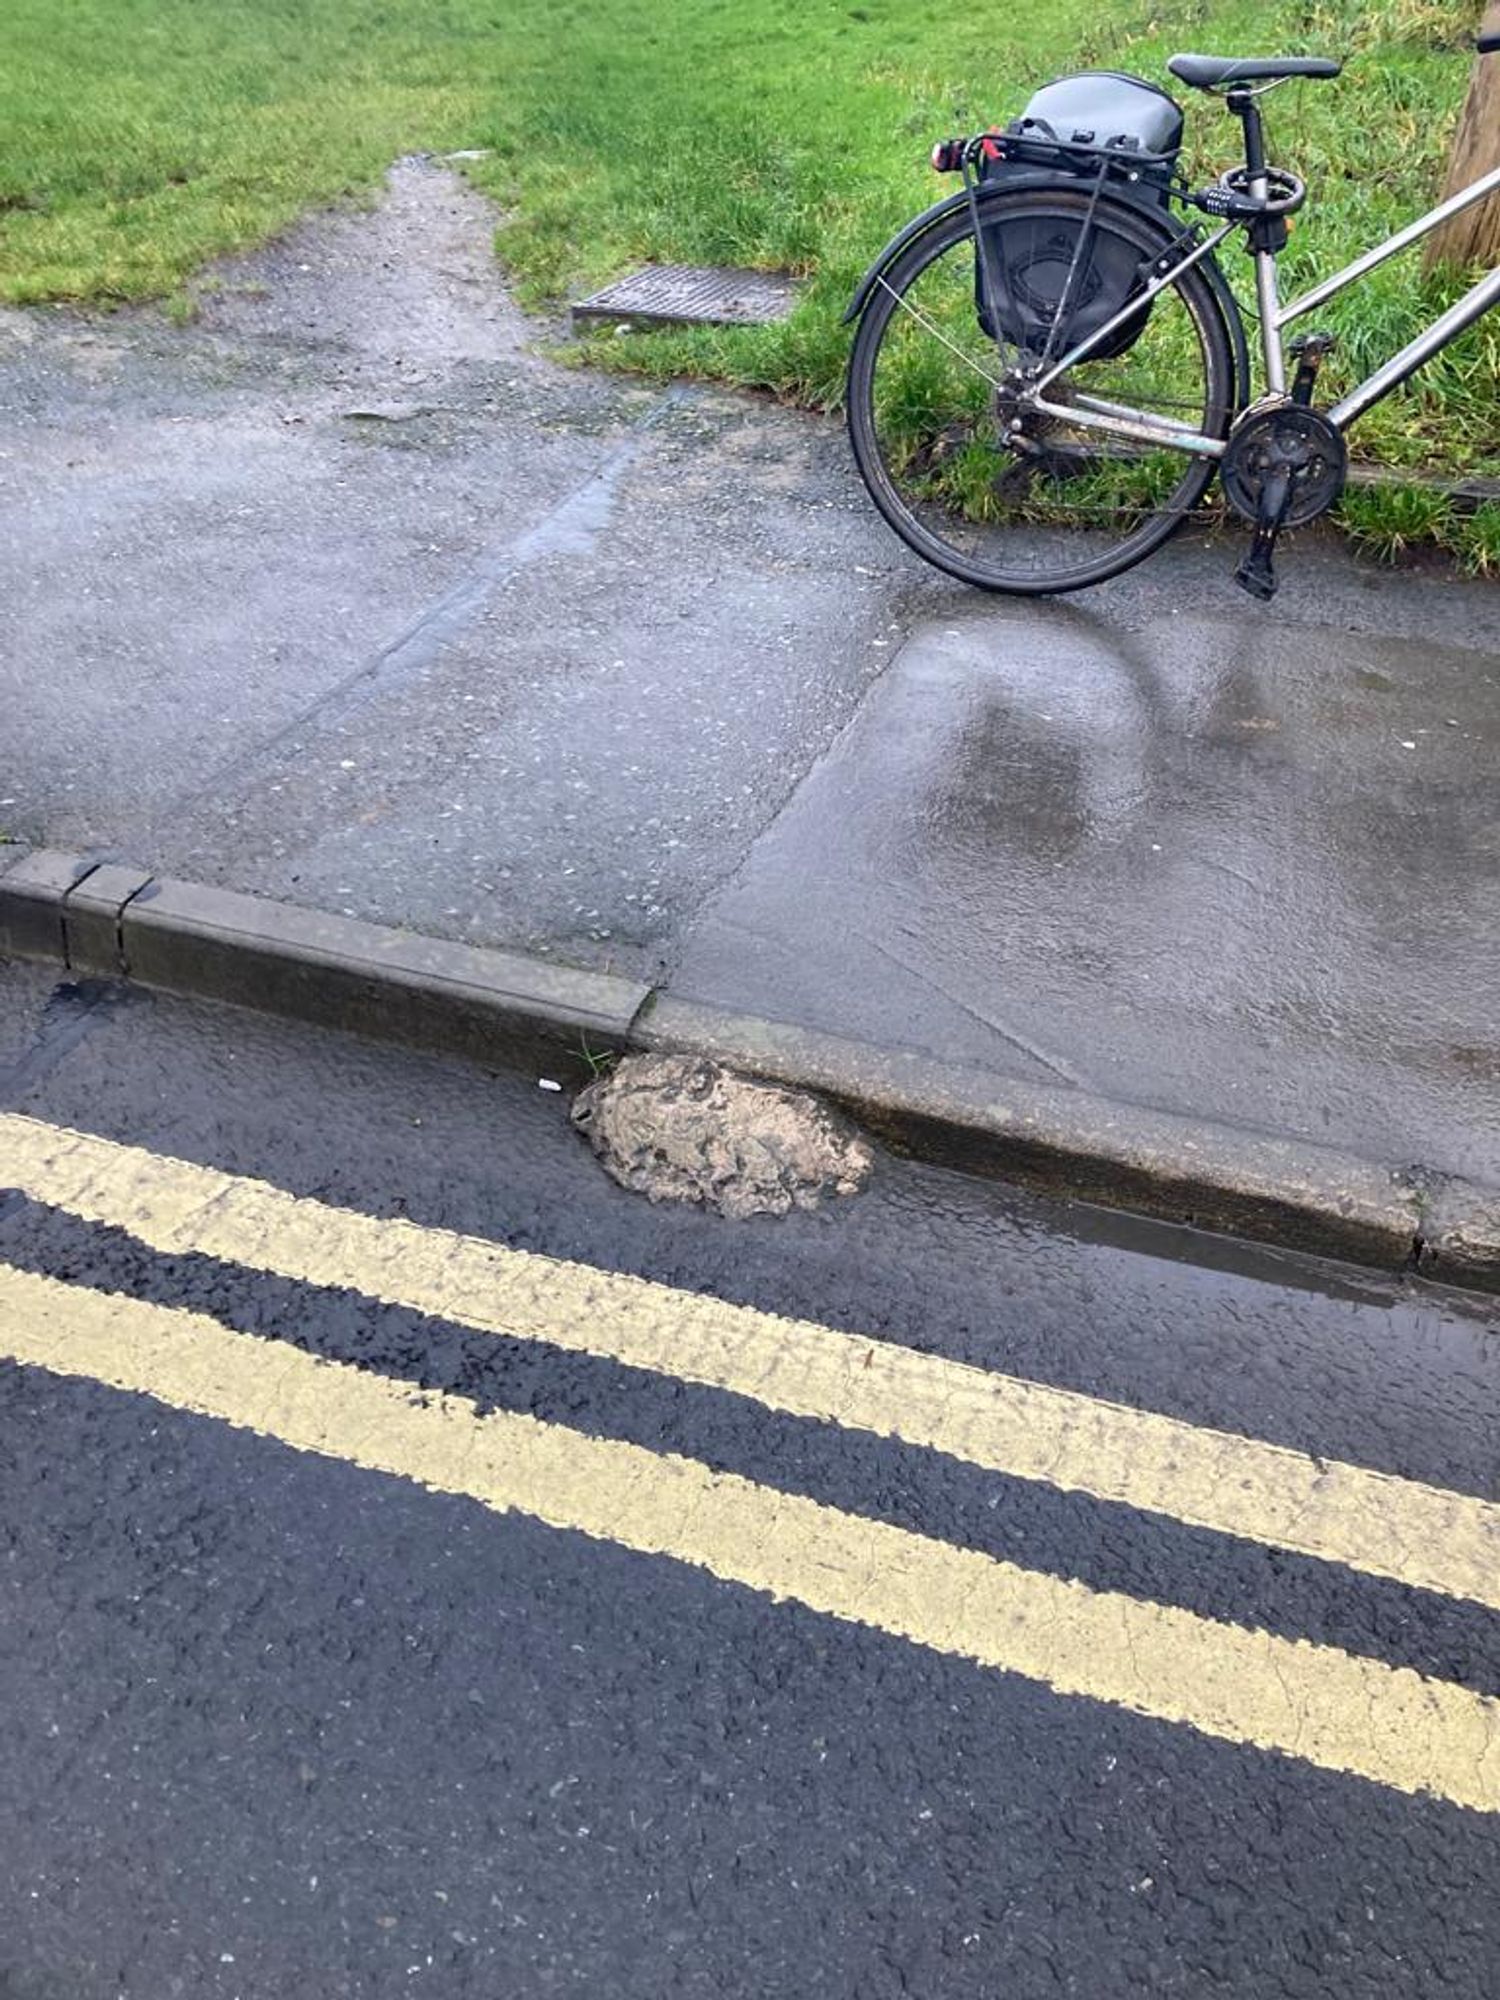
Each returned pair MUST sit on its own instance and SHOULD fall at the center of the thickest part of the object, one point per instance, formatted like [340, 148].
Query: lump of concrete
[678, 1128]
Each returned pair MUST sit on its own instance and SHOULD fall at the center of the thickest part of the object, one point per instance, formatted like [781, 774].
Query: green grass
[145, 136]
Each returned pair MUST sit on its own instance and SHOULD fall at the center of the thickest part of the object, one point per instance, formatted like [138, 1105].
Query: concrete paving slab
[1228, 867]
[33, 889]
[428, 992]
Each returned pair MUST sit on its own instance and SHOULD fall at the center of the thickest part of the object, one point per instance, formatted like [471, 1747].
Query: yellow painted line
[1329, 1708]
[1370, 1521]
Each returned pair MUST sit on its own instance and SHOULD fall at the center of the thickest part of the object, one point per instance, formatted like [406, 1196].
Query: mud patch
[676, 1128]
[411, 284]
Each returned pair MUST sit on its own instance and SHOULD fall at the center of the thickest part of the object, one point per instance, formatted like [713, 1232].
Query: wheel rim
[1060, 504]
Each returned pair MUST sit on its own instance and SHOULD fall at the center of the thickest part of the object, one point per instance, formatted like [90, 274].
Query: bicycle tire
[1210, 401]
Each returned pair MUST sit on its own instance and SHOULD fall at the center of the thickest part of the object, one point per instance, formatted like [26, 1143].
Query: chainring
[1284, 437]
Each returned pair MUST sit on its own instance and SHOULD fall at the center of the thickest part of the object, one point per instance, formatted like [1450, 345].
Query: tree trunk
[1474, 236]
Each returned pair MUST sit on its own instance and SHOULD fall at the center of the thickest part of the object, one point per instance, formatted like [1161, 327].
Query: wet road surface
[1060, 1606]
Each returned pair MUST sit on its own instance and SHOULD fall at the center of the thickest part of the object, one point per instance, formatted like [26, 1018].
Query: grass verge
[145, 136]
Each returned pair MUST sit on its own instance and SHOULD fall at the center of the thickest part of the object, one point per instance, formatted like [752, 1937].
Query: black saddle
[1212, 72]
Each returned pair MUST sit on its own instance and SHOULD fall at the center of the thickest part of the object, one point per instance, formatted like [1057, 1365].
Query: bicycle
[1050, 367]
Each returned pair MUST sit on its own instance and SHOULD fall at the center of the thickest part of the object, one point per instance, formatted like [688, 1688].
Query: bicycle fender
[1016, 178]
[918, 226]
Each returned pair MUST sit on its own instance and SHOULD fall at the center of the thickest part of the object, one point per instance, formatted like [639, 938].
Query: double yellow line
[1334, 1709]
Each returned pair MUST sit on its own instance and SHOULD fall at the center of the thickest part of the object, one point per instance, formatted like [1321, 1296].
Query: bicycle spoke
[958, 454]
[995, 381]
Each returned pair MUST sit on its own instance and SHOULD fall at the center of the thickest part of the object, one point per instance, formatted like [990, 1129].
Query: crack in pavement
[976, 1014]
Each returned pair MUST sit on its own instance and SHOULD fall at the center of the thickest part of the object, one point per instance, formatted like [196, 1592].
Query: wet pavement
[283, 1724]
[350, 594]
[1153, 862]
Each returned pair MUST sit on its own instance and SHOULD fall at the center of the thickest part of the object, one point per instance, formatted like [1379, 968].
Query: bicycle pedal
[1257, 574]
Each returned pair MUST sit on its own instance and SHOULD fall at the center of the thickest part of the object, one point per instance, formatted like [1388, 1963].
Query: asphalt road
[649, 1646]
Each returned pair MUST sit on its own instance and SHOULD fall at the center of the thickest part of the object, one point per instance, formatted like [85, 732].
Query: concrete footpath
[351, 596]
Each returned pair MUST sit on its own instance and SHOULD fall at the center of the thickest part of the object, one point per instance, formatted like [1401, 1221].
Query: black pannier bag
[1059, 136]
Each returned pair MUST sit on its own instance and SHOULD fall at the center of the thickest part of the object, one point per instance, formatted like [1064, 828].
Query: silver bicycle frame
[1432, 340]
[1091, 413]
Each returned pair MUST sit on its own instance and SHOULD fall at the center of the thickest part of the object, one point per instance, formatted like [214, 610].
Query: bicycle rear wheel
[931, 397]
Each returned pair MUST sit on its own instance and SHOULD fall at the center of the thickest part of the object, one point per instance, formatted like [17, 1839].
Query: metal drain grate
[689, 294]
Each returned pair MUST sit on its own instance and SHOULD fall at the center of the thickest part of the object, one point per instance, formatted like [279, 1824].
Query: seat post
[1242, 103]
[1267, 300]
